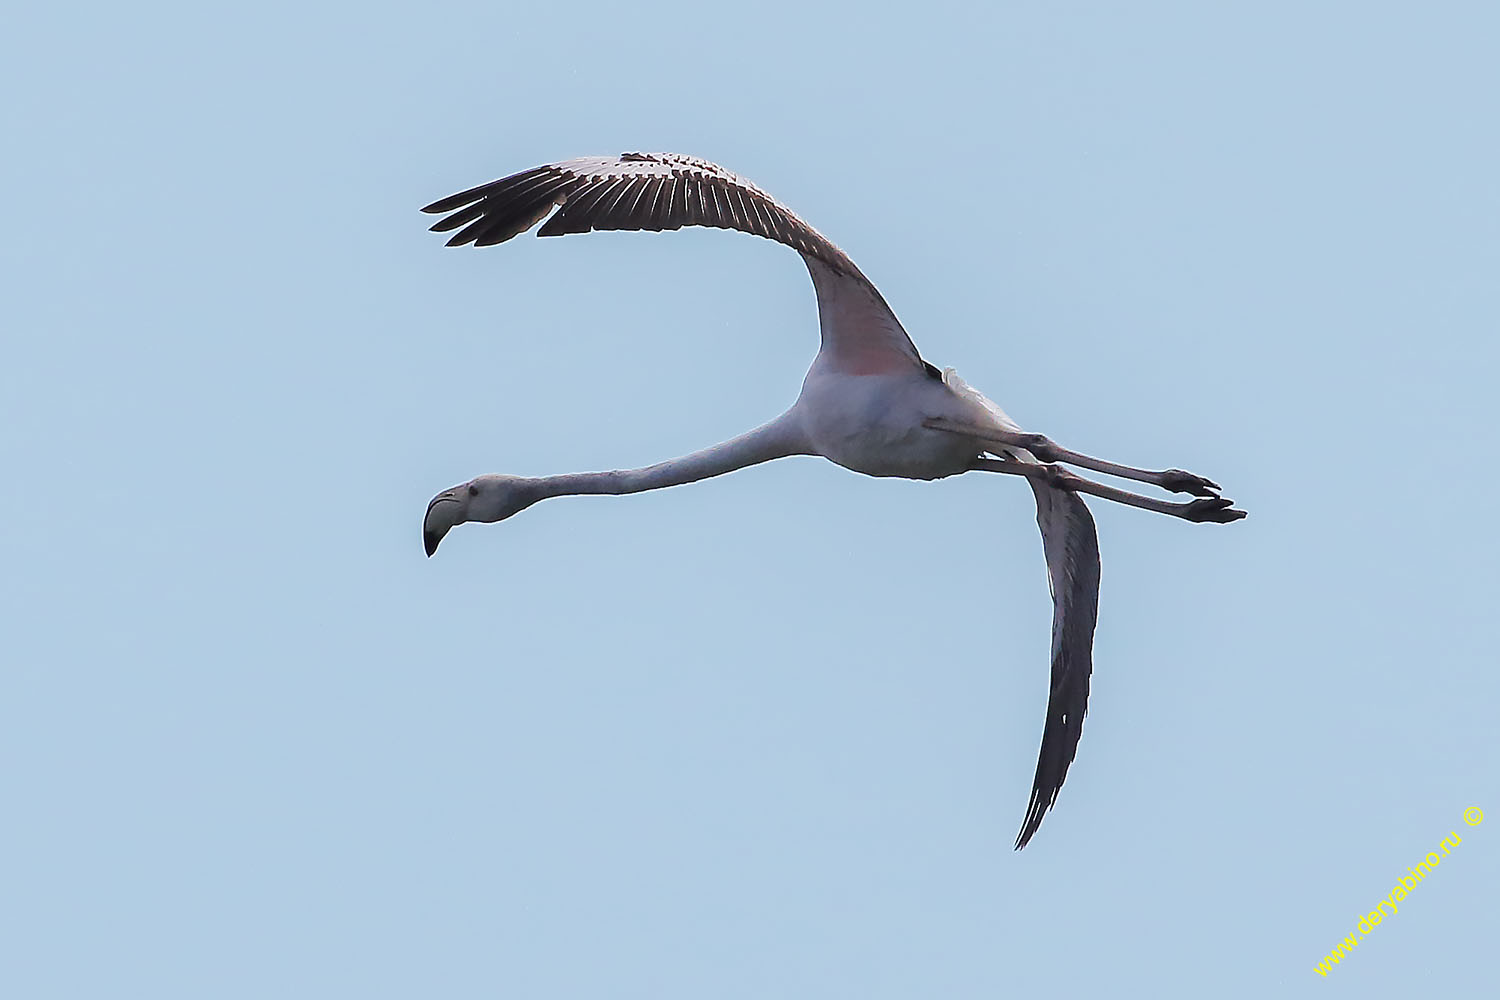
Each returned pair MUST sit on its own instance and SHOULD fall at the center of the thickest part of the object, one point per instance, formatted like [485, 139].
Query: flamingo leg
[1046, 450]
[1204, 509]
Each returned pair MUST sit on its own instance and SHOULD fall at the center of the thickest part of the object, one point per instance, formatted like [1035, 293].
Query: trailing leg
[1214, 509]
[1046, 450]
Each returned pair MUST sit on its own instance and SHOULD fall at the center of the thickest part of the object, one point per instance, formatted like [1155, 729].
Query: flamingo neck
[778, 439]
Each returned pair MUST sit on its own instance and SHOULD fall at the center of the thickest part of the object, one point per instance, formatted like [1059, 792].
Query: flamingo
[869, 403]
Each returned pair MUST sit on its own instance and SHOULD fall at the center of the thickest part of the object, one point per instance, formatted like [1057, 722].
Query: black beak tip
[430, 541]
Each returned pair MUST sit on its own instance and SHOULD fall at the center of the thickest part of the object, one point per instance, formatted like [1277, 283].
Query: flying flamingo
[869, 402]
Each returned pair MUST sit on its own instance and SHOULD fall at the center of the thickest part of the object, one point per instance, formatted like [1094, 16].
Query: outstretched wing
[652, 191]
[662, 191]
[1072, 548]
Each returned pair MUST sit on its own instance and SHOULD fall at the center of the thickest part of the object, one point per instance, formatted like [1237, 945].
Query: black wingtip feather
[461, 218]
[453, 201]
[490, 188]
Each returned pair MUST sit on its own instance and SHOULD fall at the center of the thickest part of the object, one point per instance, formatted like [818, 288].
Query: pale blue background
[772, 735]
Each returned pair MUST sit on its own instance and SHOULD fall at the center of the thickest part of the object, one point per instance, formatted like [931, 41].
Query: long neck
[777, 439]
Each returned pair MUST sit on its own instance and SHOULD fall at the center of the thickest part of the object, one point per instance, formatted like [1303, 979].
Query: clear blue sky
[770, 735]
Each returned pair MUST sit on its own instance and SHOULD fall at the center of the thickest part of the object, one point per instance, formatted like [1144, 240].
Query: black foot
[1177, 481]
[1217, 510]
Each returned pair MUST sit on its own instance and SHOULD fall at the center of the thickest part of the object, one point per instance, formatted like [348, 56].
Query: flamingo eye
[473, 490]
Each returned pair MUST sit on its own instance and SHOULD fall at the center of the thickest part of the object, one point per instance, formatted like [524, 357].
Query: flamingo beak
[439, 520]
